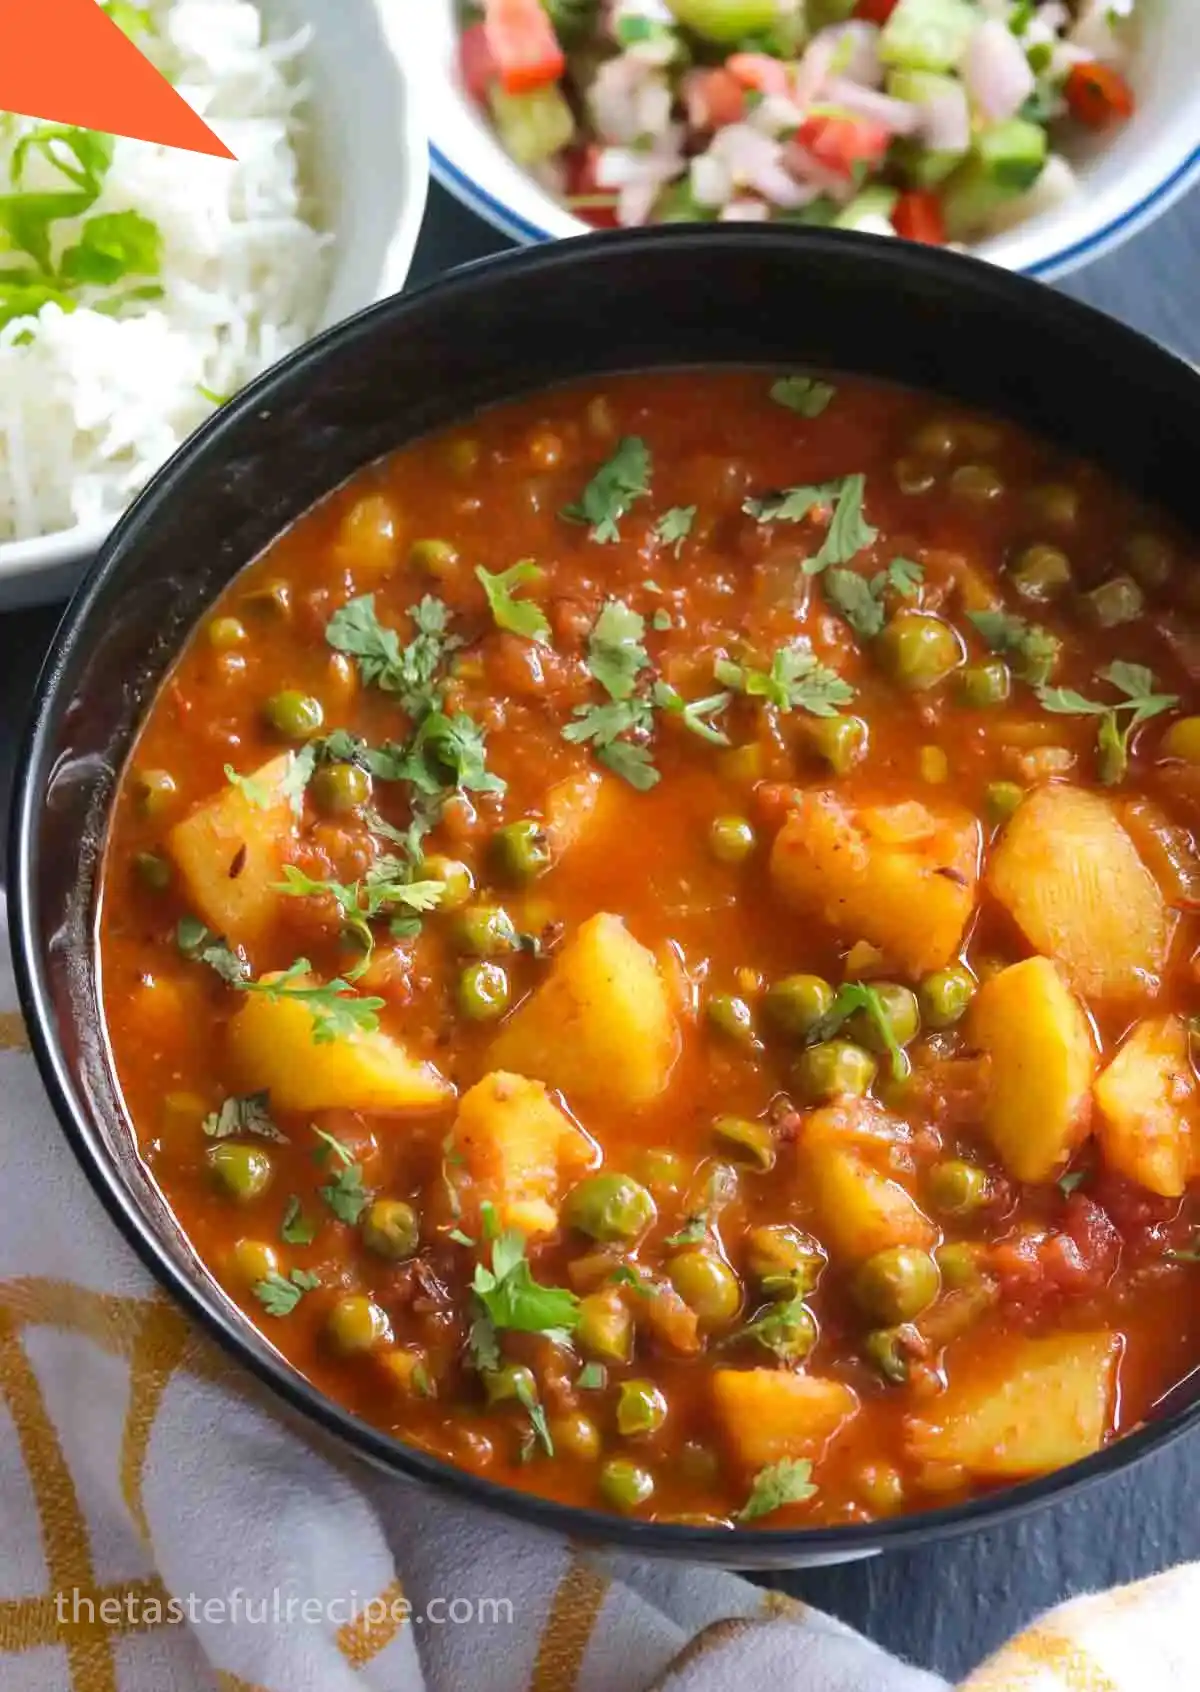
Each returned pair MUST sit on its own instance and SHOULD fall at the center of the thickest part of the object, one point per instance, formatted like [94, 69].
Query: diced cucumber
[1013, 152]
[677, 204]
[726, 21]
[920, 166]
[532, 126]
[918, 86]
[928, 35]
[868, 209]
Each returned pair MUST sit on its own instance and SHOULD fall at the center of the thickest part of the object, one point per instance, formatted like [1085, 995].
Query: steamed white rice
[91, 404]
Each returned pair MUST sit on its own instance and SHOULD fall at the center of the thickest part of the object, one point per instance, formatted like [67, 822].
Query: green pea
[785, 1262]
[254, 1260]
[294, 715]
[224, 633]
[944, 996]
[913, 475]
[937, 438]
[391, 1228]
[155, 790]
[886, 1348]
[357, 1324]
[918, 650]
[521, 850]
[1002, 799]
[152, 870]
[1055, 502]
[957, 1188]
[641, 1408]
[731, 840]
[663, 1170]
[732, 1016]
[434, 557]
[485, 931]
[270, 599]
[796, 1003]
[747, 1141]
[625, 1484]
[896, 1284]
[605, 1328]
[509, 1381]
[980, 484]
[483, 991]
[959, 1263]
[985, 684]
[1182, 740]
[339, 789]
[706, 1284]
[609, 1207]
[1119, 600]
[832, 1070]
[840, 741]
[461, 455]
[457, 881]
[1151, 558]
[1041, 572]
[575, 1435]
[243, 1172]
[900, 1012]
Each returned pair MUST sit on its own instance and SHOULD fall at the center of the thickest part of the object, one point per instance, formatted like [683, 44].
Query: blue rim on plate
[1160, 198]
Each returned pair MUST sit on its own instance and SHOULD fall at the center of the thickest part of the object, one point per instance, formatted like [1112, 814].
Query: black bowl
[510, 325]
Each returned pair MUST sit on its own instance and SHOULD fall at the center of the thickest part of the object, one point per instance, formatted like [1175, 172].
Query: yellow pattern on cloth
[164, 1530]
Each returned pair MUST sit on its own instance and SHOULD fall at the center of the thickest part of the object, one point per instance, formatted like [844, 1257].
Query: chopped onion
[635, 202]
[755, 161]
[711, 180]
[815, 64]
[1094, 34]
[946, 121]
[900, 116]
[775, 115]
[623, 167]
[745, 210]
[996, 72]
[855, 52]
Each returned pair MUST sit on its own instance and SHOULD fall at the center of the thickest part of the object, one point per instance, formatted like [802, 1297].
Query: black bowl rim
[765, 1547]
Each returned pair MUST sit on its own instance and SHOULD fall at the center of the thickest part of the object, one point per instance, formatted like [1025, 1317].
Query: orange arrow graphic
[68, 62]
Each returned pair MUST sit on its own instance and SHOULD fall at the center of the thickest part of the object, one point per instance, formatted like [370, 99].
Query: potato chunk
[272, 1049]
[1147, 1103]
[601, 1026]
[515, 1145]
[1041, 1064]
[577, 809]
[900, 876]
[766, 1415]
[1070, 876]
[1030, 1406]
[861, 1209]
[230, 853]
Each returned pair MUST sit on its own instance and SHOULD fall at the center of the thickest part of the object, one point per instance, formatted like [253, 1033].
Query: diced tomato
[758, 71]
[523, 45]
[918, 217]
[475, 62]
[840, 143]
[582, 185]
[714, 98]
[1097, 94]
[875, 11]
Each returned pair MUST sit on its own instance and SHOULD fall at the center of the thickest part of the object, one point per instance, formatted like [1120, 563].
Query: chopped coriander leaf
[616, 655]
[337, 1011]
[295, 1228]
[631, 762]
[453, 747]
[797, 680]
[341, 747]
[345, 1194]
[257, 793]
[617, 484]
[296, 777]
[849, 531]
[482, 1344]
[279, 1294]
[780, 1328]
[660, 620]
[510, 1297]
[1073, 1178]
[903, 576]
[517, 616]
[1141, 703]
[693, 1232]
[605, 726]
[1034, 649]
[421, 1381]
[248, 1115]
[787, 1482]
[527, 1399]
[410, 671]
[675, 525]
[804, 394]
[855, 996]
[203, 946]
[330, 1144]
[625, 1275]
[855, 598]
[695, 714]
[792, 505]
[459, 1238]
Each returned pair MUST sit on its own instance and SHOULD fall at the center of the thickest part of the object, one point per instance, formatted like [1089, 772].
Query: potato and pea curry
[649, 944]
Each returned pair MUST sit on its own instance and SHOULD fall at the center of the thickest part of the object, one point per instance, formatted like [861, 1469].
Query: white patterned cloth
[162, 1530]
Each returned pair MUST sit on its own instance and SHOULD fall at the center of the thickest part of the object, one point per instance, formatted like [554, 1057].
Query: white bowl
[367, 163]
[1127, 176]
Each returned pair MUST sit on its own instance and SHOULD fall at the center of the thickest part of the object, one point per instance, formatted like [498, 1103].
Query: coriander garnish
[248, 1115]
[787, 1482]
[1034, 649]
[622, 479]
[410, 671]
[336, 1010]
[203, 946]
[295, 1228]
[848, 532]
[517, 616]
[280, 1294]
[797, 680]
[861, 599]
[855, 996]
[675, 525]
[806, 395]
[1141, 703]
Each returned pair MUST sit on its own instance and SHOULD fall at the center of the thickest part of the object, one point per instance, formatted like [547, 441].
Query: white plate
[1127, 177]
[368, 166]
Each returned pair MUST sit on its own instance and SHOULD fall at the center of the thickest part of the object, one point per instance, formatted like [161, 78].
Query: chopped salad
[939, 120]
